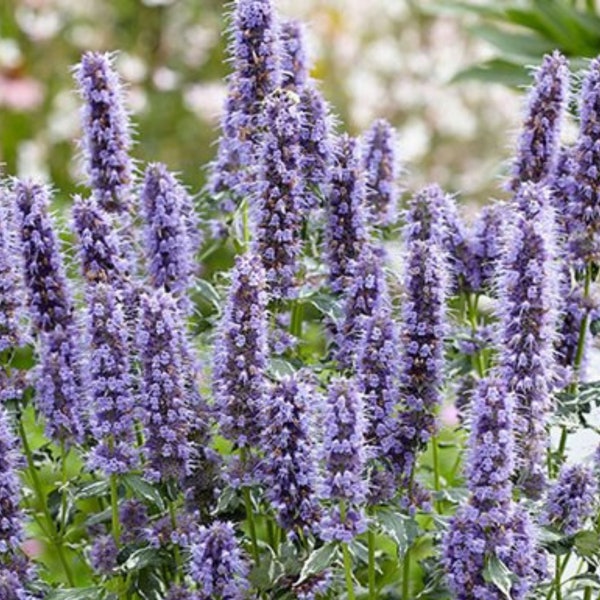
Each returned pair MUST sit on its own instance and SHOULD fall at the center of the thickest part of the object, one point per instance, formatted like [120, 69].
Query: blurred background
[447, 74]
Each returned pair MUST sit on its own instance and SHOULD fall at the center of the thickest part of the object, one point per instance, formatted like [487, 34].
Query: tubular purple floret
[487, 246]
[294, 61]
[538, 143]
[528, 291]
[106, 132]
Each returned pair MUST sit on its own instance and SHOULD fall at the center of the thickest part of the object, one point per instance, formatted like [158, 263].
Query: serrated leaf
[142, 489]
[498, 573]
[319, 560]
[403, 530]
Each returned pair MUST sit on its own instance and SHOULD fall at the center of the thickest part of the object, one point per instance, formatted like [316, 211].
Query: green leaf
[93, 489]
[587, 543]
[144, 490]
[319, 560]
[89, 593]
[142, 558]
[208, 293]
[265, 575]
[326, 305]
[403, 530]
[514, 44]
[498, 573]
[495, 71]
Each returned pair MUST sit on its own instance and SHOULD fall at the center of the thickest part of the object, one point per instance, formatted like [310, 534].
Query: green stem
[557, 578]
[347, 558]
[251, 524]
[64, 452]
[406, 575]
[477, 358]
[296, 319]
[371, 541]
[436, 471]
[114, 503]
[54, 537]
[176, 552]
[246, 225]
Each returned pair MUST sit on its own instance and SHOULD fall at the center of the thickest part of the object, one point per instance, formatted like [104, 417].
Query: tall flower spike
[538, 144]
[423, 324]
[584, 202]
[528, 289]
[490, 525]
[380, 162]
[254, 49]
[166, 233]
[346, 231]
[112, 404]
[167, 415]
[368, 286]
[217, 565]
[344, 456]
[15, 571]
[294, 62]
[316, 143]
[12, 333]
[377, 374]
[487, 246]
[571, 500]
[99, 251]
[106, 132]
[49, 299]
[241, 355]
[279, 196]
[289, 469]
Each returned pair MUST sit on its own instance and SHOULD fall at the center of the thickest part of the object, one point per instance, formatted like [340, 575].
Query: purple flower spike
[15, 571]
[368, 285]
[294, 63]
[316, 143]
[240, 363]
[487, 246]
[380, 162]
[217, 566]
[169, 249]
[106, 132]
[103, 554]
[49, 299]
[423, 325]
[12, 333]
[344, 456]
[528, 289]
[584, 202]
[254, 49]
[59, 389]
[490, 525]
[279, 196]
[167, 414]
[377, 372]
[572, 500]
[99, 250]
[289, 470]
[346, 231]
[112, 406]
[538, 144]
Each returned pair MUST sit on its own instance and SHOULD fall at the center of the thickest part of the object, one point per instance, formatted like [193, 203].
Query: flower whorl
[294, 62]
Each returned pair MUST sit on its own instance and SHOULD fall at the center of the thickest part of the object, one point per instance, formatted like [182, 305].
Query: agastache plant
[167, 414]
[346, 229]
[490, 526]
[289, 468]
[381, 164]
[279, 196]
[528, 288]
[294, 62]
[256, 73]
[538, 143]
[486, 246]
[106, 138]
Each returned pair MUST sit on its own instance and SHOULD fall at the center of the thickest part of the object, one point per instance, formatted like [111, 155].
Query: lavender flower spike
[289, 470]
[538, 144]
[572, 500]
[346, 230]
[294, 63]
[49, 299]
[107, 135]
[167, 415]
[168, 245]
[12, 332]
[380, 162]
[112, 414]
[279, 196]
[490, 525]
[528, 290]
[99, 250]
[254, 49]
[344, 455]
[239, 382]
[15, 571]
[368, 286]
[423, 325]
[217, 566]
